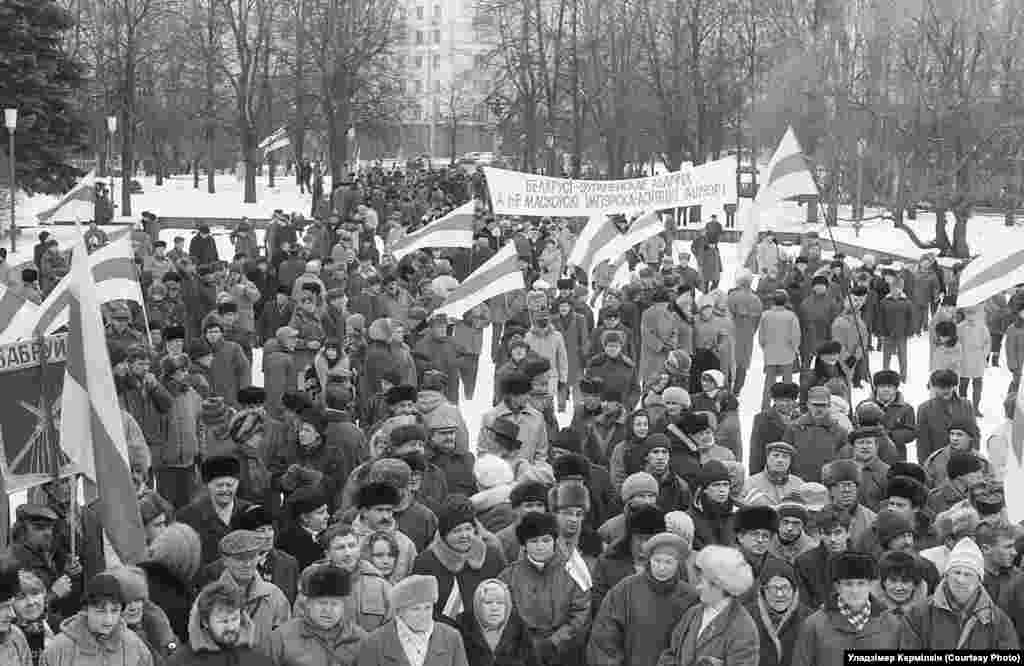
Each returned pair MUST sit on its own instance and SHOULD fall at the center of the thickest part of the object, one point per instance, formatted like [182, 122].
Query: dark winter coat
[934, 416]
[203, 249]
[816, 316]
[202, 517]
[635, 621]
[300, 544]
[230, 371]
[732, 638]
[382, 648]
[433, 353]
[553, 606]
[815, 444]
[899, 420]
[896, 317]
[577, 346]
[618, 374]
[298, 643]
[826, 635]
[712, 525]
[170, 593]
[769, 426]
[934, 625]
[777, 643]
[439, 561]
[280, 568]
[514, 647]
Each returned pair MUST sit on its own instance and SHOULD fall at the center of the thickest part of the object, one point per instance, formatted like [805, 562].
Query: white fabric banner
[518, 193]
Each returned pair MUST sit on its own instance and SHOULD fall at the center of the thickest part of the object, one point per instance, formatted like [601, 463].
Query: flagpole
[5, 500]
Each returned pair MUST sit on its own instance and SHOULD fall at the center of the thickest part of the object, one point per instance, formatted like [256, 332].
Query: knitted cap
[635, 484]
[667, 541]
[967, 554]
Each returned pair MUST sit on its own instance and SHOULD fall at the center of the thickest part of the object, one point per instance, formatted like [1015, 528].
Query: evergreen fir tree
[39, 79]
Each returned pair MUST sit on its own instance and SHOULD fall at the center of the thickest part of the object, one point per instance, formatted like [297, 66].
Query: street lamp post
[550, 142]
[111, 130]
[11, 123]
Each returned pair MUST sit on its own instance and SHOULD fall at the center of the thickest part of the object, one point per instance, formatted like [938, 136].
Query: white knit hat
[727, 567]
[967, 554]
[491, 471]
[681, 524]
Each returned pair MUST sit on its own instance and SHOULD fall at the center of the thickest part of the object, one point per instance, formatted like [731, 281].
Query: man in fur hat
[526, 497]
[618, 370]
[515, 407]
[212, 514]
[964, 470]
[299, 640]
[375, 512]
[812, 566]
[756, 527]
[771, 422]
[863, 449]
[553, 604]
[842, 478]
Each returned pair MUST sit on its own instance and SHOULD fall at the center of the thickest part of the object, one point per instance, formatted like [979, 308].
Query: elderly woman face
[664, 564]
[417, 616]
[494, 606]
[778, 593]
[962, 583]
[854, 592]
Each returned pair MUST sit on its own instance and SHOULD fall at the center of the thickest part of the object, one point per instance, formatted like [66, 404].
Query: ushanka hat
[457, 510]
[535, 525]
[750, 518]
[645, 520]
[528, 491]
[220, 466]
[400, 393]
[853, 566]
[907, 487]
[569, 494]
[328, 581]
[377, 494]
[571, 466]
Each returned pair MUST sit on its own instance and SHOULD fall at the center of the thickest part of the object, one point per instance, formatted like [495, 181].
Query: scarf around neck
[859, 619]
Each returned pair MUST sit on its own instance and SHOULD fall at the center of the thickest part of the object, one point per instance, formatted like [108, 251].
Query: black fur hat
[757, 518]
[251, 396]
[214, 468]
[326, 581]
[887, 378]
[534, 525]
[853, 566]
[646, 520]
[571, 465]
[528, 491]
[783, 390]
[400, 393]
[376, 494]
[908, 487]
[516, 384]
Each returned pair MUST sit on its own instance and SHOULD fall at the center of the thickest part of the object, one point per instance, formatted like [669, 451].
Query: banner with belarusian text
[518, 193]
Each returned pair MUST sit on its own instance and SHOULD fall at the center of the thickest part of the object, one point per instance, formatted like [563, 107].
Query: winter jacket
[934, 625]
[273, 317]
[976, 344]
[181, 445]
[899, 420]
[437, 411]
[816, 444]
[548, 343]
[553, 606]
[635, 621]
[201, 649]
[712, 524]
[813, 579]
[817, 312]
[148, 405]
[1014, 344]
[769, 426]
[230, 371]
[467, 573]
[934, 416]
[76, 646]
[896, 317]
[577, 345]
[732, 637]
[368, 606]
[202, 517]
[746, 310]
[245, 295]
[850, 331]
[203, 249]
[533, 432]
[659, 326]
[298, 642]
[440, 353]
[493, 509]
[779, 336]
[619, 374]
[297, 542]
[264, 604]
[777, 642]
[826, 635]
[278, 568]
[14, 649]
[761, 487]
[383, 648]
[514, 648]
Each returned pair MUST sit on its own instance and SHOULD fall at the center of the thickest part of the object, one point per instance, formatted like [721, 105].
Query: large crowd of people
[342, 513]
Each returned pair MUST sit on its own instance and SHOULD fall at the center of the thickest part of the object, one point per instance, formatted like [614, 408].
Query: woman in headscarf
[627, 455]
[30, 613]
[493, 632]
[778, 612]
[719, 627]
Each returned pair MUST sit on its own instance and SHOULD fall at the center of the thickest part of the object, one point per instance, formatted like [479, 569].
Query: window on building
[437, 61]
[437, 36]
[418, 60]
[419, 13]
[419, 36]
